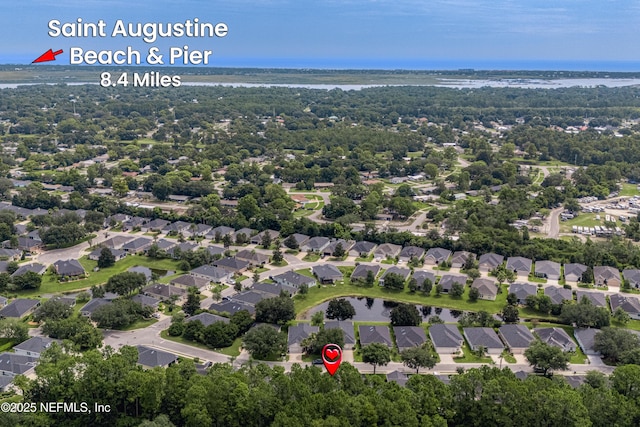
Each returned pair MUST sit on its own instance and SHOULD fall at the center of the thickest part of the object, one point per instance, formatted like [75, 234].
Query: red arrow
[48, 56]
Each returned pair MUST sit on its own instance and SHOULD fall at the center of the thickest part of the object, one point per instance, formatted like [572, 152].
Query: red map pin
[331, 357]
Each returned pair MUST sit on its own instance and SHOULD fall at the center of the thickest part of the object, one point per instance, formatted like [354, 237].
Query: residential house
[558, 294]
[331, 247]
[164, 292]
[243, 235]
[33, 347]
[118, 254]
[215, 251]
[490, 261]
[485, 337]
[435, 256]
[231, 307]
[633, 276]
[573, 272]
[219, 232]
[597, 298]
[251, 296]
[155, 225]
[606, 276]
[447, 280]
[347, 331]
[398, 377]
[362, 271]
[362, 249]
[517, 338]
[488, 288]
[586, 340]
[207, 319]
[10, 254]
[459, 258]
[19, 308]
[178, 227]
[232, 265]
[386, 250]
[297, 334]
[35, 267]
[137, 246]
[422, 275]
[556, 337]
[254, 258]
[116, 242]
[29, 245]
[257, 239]
[134, 223]
[293, 279]
[410, 252]
[200, 230]
[146, 301]
[69, 268]
[275, 289]
[315, 244]
[187, 281]
[12, 364]
[446, 338]
[149, 357]
[548, 270]
[522, 291]
[91, 306]
[326, 273]
[519, 265]
[176, 251]
[402, 272]
[300, 239]
[409, 336]
[374, 334]
[628, 303]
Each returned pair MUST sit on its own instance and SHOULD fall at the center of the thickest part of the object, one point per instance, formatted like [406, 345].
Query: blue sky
[353, 33]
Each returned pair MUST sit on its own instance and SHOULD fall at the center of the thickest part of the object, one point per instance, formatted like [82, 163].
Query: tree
[28, 280]
[405, 315]
[52, 310]
[546, 358]
[256, 277]
[275, 310]
[120, 313]
[97, 291]
[125, 283]
[291, 242]
[339, 251]
[457, 289]
[316, 341]
[14, 330]
[584, 314]
[277, 257]
[340, 309]
[78, 330]
[317, 319]
[621, 316]
[266, 240]
[419, 357]
[376, 354]
[393, 281]
[106, 259]
[263, 341]
[614, 343]
[510, 314]
[220, 334]
[192, 304]
[427, 285]
[474, 294]
[243, 320]
[439, 289]
[512, 299]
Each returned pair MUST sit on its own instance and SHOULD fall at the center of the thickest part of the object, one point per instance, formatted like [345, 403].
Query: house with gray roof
[488, 288]
[522, 291]
[35, 267]
[164, 292]
[33, 347]
[597, 298]
[297, 334]
[447, 280]
[435, 256]
[374, 333]
[422, 275]
[331, 247]
[10, 254]
[247, 232]
[149, 357]
[490, 261]
[19, 308]
[633, 276]
[326, 273]
[410, 252]
[628, 303]
[459, 258]
[254, 258]
[293, 279]
[216, 251]
[409, 336]
[251, 296]
[207, 319]
[157, 224]
[519, 265]
[347, 331]
[69, 268]
[137, 246]
[606, 276]
[586, 340]
[485, 337]
[176, 251]
[398, 377]
[93, 304]
[446, 338]
[556, 337]
[275, 289]
[118, 254]
[315, 244]
[177, 227]
[231, 307]
[146, 301]
[548, 270]
[362, 270]
[117, 241]
[517, 338]
[133, 223]
[558, 294]
[402, 272]
[219, 232]
[12, 364]
[232, 265]
[386, 250]
[573, 272]
[300, 239]
[257, 239]
[200, 230]
[362, 249]
[187, 281]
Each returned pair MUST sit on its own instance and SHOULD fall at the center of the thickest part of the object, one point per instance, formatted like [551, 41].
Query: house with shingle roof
[293, 279]
[573, 272]
[422, 275]
[628, 303]
[409, 336]
[488, 288]
[586, 340]
[558, 294]
[596, 298]
[35, 267]
[187, 281]
[257, 239]
[411, 252]
[633, 276]
[490, 261]
[207, 319]
[485, 337]
[519, 265]
[606, 276]
[446, 338]
[517, 338]
[556, 337]
[374, 334]
[149, 357]
[362, 249]
[219, 232]
[137, 246]
[297, 334]
[447, 280]
[326, 273]
[402, 272]
[435, 256]
[254, 258]
[386, 250]
[232, 265]
[347, 331]
[459, 258]
[362, 270]
[315, 244]
[231, 307]
[34, 346]
[548, 270]
[522, 291]
[69, 268]
[19, 308]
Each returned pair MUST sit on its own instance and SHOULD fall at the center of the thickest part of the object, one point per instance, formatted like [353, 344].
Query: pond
[377, 310]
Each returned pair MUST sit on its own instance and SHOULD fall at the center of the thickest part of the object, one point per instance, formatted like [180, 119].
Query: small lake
[377, 310]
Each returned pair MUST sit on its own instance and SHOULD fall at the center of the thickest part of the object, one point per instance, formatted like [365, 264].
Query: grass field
[233, 350]
[582, 220]
[629, 190]
[469, 356]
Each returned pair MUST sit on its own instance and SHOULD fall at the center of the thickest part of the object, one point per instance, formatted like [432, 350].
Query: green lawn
[577, 357]
[367, 259]
[469, 357]
[140, 324]
[233, 350]
[583, 220]
[312, 257]
[51, 285]
[629, 190]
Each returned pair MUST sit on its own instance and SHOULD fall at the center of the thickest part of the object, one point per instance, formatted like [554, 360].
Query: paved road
[554, 223]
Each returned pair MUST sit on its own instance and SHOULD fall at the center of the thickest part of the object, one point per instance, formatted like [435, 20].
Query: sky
[389, 34]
